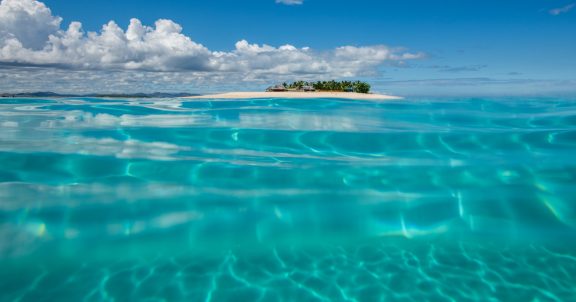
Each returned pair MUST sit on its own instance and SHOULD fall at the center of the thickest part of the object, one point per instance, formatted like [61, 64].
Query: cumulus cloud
[290, 2]
[27, 23]
[31, 36]
[562, 10]
[162, 47]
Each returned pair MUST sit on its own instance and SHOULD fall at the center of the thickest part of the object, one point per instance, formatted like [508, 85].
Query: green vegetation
[357, 86]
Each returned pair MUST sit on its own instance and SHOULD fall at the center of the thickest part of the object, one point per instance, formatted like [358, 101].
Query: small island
[332, 86]
[304, 90]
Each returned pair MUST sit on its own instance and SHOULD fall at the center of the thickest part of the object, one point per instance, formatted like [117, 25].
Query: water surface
[287, 200]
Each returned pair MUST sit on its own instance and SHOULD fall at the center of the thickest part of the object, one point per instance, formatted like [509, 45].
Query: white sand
[297, 95]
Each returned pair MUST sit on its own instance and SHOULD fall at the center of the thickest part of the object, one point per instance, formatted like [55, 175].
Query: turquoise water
[288, 200]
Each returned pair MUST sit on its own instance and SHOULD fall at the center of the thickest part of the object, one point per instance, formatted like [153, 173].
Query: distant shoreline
[49, 94]
[297, 95]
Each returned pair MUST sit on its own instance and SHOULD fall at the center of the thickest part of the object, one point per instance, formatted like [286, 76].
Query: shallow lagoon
[287, 200]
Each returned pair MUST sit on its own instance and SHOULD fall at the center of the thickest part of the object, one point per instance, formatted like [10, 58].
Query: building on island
[280, 88]
[276, 88]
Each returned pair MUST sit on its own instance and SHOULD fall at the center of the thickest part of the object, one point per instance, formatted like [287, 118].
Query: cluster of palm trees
[357, 86]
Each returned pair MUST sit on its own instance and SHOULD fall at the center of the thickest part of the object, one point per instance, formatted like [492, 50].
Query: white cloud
[163, 47]
[290, 2]
[28, 23]
[30, 36]
[562, 10]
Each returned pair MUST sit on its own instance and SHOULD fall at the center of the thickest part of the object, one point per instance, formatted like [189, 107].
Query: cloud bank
[31, 36]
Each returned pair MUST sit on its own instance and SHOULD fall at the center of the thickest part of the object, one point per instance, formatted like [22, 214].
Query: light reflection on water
[203, 196]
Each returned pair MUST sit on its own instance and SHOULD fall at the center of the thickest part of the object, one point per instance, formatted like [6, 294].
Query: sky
[410, 47]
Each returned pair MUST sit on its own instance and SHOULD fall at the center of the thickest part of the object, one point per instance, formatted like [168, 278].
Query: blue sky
[439, 47]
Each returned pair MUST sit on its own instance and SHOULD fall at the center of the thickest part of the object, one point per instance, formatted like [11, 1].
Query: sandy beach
[297, 95]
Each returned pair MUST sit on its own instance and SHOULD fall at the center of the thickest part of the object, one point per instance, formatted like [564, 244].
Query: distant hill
[50, 94]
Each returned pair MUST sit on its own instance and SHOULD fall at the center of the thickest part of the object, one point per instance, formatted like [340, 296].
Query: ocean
[421, 199]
